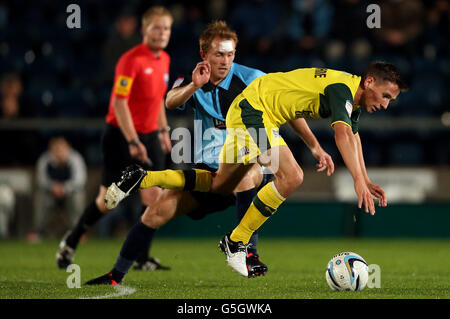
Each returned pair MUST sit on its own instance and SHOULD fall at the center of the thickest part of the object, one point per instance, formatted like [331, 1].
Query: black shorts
[210, 202]
[116, 153]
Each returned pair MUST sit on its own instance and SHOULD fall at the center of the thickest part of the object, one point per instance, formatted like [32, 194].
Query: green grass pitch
[410, 269]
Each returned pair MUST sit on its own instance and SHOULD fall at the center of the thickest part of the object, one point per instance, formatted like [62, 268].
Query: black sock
[135, 244]
[90, 216]
[146, 252]
[243, 201]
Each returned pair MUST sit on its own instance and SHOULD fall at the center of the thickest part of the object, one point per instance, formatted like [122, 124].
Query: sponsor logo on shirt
[219, 124]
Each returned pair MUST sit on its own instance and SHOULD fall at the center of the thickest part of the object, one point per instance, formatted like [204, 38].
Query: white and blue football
[347, 271]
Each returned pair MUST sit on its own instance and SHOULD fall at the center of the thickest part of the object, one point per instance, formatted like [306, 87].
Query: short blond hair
[217, 29]
[155, 11]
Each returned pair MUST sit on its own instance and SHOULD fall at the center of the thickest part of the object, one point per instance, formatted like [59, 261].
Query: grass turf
[410, 269]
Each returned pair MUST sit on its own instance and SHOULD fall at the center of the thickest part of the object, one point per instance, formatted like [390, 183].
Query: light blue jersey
[210, 105]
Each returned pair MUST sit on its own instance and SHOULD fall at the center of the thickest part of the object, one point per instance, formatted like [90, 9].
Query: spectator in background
[216, 10]
[309, 24]
[11, 90]
[257, 22]
[349, 33]
[187, 27]
[7, 207]
[13, 106]
[437, 29]
[401, 28]
[61, 177]
[123, 37]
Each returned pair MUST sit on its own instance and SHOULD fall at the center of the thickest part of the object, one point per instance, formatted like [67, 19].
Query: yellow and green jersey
[307, 93]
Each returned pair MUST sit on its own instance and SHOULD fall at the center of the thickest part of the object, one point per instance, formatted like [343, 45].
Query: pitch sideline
[121, 291]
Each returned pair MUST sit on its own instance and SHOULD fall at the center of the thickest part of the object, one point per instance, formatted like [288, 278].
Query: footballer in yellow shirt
[276, 98]
[253, 122]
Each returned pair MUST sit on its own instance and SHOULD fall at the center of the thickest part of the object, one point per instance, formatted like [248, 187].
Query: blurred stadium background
[65, 77]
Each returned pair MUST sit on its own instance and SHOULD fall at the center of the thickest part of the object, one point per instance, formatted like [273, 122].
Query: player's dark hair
[218, 29]
[384, 71]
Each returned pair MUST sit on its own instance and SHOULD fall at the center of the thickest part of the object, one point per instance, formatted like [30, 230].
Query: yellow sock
[263, 206]
[165, 179]
[195, 179]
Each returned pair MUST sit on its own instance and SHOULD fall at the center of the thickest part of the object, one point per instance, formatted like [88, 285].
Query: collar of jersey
[224, 84]
[148, 51]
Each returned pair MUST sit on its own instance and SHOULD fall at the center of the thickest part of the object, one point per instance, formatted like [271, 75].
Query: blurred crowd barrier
[414, 187]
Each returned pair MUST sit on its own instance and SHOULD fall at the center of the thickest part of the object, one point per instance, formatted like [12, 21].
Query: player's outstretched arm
[375, 190]
[302, 129]
[347, 145]
[179, 95]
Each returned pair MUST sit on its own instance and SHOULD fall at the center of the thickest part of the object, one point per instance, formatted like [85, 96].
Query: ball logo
[123, 82]
[338, 262]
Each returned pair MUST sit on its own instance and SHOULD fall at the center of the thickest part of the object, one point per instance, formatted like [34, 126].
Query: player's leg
[287, 178]
[134, 177]
[115, 156]
[170, 204]
[149, 195]
[90, 216]
[43, 204]
[74, 205]
[145, 262]
[245, 192]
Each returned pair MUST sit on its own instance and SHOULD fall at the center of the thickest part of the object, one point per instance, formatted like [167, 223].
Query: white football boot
[236, 253]
[129, 183]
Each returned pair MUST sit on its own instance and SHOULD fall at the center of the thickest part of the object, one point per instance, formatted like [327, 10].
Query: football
[347, 271]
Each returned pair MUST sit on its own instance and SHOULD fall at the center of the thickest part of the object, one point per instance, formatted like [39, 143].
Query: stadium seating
[62, 69]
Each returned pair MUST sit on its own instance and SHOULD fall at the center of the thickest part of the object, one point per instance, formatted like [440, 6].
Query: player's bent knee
[162, 210]
[296, 179]
[150, 219]
[246, 183]
[154, 218]
[287, 183]
[150, 195]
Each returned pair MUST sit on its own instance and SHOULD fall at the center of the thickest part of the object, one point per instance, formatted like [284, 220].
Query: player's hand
[201, 74]
[139, 152]
[325, 161]
[378, 192]
[364, 197]
[164, 139]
